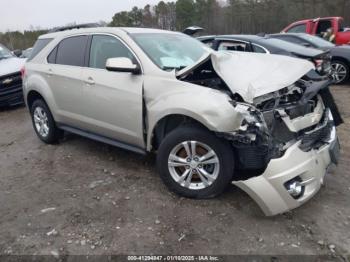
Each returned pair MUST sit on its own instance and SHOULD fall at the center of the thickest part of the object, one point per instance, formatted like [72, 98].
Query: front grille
[319, 135]
[10, 83]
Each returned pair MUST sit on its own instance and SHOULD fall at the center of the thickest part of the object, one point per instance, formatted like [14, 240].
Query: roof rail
[64, 28]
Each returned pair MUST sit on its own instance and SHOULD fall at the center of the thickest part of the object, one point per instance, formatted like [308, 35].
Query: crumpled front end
[287, 159]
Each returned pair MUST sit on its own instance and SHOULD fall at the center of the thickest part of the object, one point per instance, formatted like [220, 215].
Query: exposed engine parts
[275, 121]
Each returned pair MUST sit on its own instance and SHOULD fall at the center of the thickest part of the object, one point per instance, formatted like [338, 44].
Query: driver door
[113, 105]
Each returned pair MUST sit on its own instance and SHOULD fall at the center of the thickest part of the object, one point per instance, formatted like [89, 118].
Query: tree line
[215, 16]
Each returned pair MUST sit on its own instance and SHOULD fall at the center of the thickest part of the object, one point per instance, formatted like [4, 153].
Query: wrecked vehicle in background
[269, 45]
[258, 121]
[11, 93]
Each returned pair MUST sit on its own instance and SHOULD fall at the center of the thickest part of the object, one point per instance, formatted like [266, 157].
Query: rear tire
[194, 163]
[340, 71]
[43, 123]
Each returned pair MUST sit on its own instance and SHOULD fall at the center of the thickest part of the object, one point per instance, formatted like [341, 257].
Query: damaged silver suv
[261, 122]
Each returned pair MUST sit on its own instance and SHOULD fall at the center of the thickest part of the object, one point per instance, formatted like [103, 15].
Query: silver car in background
[261, 122]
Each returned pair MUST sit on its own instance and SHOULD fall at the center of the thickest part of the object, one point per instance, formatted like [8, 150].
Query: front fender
[208, 106]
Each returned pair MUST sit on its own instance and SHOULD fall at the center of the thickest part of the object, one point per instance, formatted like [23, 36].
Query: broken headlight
[250, 115]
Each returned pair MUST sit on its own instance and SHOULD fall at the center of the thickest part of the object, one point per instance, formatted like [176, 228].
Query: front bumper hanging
[308, 167]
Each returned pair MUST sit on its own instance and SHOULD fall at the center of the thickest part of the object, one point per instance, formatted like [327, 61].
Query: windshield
[317, 41]
[4, 52]
[171, 51]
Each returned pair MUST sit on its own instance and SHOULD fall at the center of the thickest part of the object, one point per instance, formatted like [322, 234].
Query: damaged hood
[252, 75]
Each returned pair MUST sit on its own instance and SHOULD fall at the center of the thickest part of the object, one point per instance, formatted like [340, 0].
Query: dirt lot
[84, 197]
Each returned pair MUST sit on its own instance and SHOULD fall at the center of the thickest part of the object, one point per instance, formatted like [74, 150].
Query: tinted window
[71, 51]
[317, 41]
[52, 56]
[104, 47]
[298, 29]
[258, 49]
[208, 43]
[292, 39]
[290, 47]
[38, 46]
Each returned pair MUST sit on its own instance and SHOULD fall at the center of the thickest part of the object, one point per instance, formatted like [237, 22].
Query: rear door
[64, 74]
[114, 100]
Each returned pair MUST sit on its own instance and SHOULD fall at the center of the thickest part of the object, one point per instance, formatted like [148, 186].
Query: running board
[102, 139]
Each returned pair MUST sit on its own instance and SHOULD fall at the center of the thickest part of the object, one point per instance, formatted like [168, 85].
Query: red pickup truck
[318, 26]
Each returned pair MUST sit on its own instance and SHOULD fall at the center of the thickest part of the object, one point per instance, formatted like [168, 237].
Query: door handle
[89, 81]
[49, 72]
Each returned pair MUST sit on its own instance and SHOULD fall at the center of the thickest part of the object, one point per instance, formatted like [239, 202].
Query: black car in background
[11, 92]
[340, 61]
[269, 45]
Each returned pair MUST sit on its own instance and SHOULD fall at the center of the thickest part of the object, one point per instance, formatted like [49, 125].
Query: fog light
[295, 188]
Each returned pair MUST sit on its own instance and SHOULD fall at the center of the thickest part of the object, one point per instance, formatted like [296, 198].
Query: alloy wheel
[193, 165]
[339, 72]
[41, 121]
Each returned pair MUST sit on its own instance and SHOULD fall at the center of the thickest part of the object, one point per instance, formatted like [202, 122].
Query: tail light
[319, 64]
[23, 72]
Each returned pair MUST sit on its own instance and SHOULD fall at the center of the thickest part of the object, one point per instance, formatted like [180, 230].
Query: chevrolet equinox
[264, 123]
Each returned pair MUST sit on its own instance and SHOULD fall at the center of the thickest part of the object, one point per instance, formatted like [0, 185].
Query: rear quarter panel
[35, 80]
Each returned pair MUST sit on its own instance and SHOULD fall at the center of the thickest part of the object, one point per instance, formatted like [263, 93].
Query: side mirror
[17, 52]
[122, 64]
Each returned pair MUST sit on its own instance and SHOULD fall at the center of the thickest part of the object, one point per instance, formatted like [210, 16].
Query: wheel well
[342, 59]
[168, 124]
[32, 96]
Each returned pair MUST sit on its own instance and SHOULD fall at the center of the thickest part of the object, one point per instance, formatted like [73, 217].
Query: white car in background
[11, 92]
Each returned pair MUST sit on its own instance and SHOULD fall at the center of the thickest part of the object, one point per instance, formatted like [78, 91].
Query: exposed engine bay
[277, 120]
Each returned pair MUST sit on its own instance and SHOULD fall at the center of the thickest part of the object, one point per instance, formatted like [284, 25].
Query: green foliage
[18, 40]
[233, 16]
[185, 13]
[215, 16]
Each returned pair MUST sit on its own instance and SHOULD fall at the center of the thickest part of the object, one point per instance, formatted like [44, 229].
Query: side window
[323, 26]
[104, 47]
[208, 43]
[71, 51]
[258, 49]
[39, 45]
[51, 59]
[233, 46]
[301, 28]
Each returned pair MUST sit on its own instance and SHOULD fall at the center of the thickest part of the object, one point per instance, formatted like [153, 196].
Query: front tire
[43, 123]
[340, 71]
[194, 163]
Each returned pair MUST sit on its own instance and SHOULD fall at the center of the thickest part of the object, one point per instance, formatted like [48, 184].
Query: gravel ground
[84, 197]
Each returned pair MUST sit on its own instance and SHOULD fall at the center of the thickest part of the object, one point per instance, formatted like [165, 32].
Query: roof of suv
[129, 30]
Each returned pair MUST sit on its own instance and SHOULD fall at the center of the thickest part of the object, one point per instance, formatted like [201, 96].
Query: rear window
[38, 46]
[71, 51]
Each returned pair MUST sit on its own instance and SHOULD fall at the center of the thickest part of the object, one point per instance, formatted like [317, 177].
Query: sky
[21, 14]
